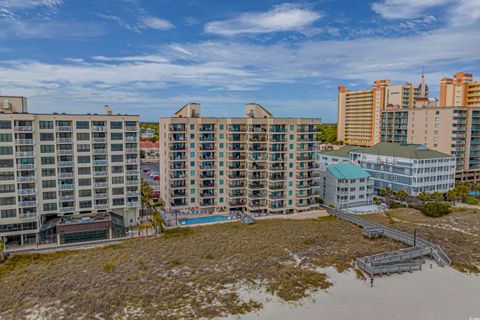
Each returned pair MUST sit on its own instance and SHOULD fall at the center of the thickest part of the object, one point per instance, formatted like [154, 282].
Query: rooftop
[401, 150]
[343, 152]
[348, 171]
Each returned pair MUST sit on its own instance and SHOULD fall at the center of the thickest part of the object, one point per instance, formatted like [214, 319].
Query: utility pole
[415, 237]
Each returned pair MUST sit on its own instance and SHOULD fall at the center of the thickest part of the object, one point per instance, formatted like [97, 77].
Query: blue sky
[152, 57]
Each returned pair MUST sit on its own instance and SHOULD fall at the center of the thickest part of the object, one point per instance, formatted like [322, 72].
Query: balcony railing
[100, 184]
[132, 172]
[25, 154]
[99, 128]
[24, 128]
[66, 198]
[24, 141]
[100, 196]
[131, 161]
[66, 175]
[133, 204]
[64, 140]
[65, 163]
[101, 206]
[100, 173]
[100, 162]
[66, 187]
[65, 152]
[23, 204]
[131, 150]
[132, 182]
[99, 151]
[25, 192]
[131, 128]
[25, 166]
[99, 140]
[27, 215]
[26, 178]
[64, 128]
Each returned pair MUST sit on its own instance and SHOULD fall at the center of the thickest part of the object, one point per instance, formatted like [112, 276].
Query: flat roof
[343, 152]
[401, 150]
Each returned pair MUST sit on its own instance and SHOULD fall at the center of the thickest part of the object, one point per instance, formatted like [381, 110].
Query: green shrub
[396, 204]
[471, 200]
[436, 209]
[109, 267]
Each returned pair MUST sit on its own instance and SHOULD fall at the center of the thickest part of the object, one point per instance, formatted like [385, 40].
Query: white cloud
[28, 4]
[465, 12]
[145, 58]
[284, 17]
[149, 22]
[405, 9]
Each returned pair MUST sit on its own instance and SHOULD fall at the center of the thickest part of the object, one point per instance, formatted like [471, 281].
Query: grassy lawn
[185, 274]
[458, 233]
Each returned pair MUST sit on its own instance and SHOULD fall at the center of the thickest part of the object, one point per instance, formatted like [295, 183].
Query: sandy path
[430, 294]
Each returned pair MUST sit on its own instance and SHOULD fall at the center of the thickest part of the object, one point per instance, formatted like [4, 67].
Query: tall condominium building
[254, 164]
[359, 112]
[66, 177]
[459, 91]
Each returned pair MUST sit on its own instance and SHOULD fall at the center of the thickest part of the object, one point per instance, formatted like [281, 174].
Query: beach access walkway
[397, 261]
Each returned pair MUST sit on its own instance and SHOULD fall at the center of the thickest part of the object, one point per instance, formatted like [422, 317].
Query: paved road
[146, 177]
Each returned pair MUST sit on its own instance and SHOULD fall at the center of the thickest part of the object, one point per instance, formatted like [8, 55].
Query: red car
[146, 170]
[156, 177]
[156, 195]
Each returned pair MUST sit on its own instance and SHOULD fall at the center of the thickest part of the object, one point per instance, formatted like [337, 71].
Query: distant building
[459, 91]
[346, 185]
[359, 112]
[148, 133]
[410, 167]
[150, 150]
[334, 157]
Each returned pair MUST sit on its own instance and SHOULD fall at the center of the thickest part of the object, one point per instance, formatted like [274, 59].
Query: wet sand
[430, 294]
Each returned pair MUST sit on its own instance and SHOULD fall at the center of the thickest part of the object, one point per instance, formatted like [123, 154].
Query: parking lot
[153, 167]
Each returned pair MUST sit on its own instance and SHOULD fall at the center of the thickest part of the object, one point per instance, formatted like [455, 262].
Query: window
[84, 182]
[116, 125]
[46, 124]
[84, 170]
[117, 169]
[117, 158]
[85, 193]
[50, 195]
[83, 159]
[7, 176]
[9, 213]
[5, 151]
[5, 137]
[117, 180]
[83, 136]
[85, 204]
[48, 160]
[116, 147]
[6, 163]
[49, 207]
[49, 184]
[119, 202]
[116, 136]
[48, 172]
[47, 136]
[5, 124]
[83, 147]
[47, 148]
[292, 127]
[118, 191]
[192, 127]
[221, 127]
[83, 125]
[7, 188]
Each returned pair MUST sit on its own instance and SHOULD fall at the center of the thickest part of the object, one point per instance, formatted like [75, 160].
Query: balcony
[27, 192]
[25, 154]
[303, 194]
[66, 187]
[131, 150]
[257, 195]
[64, 164]
[237, 128]
[132, 161]
[180, 166]
[66, 198]
[257, 158]
[100, 196]
[207, 156]
[178, 203]
[207, 194]
[131, 139]
[26, 178]
[302, 176]
[237, 203]
[237, 194]
[207, 184]
[133, 193]
[100, 162]
[276, 186]
[178, 194]
[308, 128]
[178, 184]
[100, 174]
[177, 127]
[259, 175]
[23, 128]
[23, 204]
[208, 175]
[207, 146]
[101, 184]
[99, 151]
[257, 185]
[65, 175]
[99, 140]
[209, 137]
[303, 157]
[207, 127]
[236, 166]
[28, 215]
[132, 172]
[277, 177]
[64, 140]
[275, 158]
[207, 202]
[236, 157]
[133, 204]
[304, 185]
[29, 166]
[24, 141]
[236, 184]
[177, 146]
[237, 175]
[277, 167]
[101, 206]
[99, 128]
[64, 128]
[68, 152]
[131, 128]
[177, 176]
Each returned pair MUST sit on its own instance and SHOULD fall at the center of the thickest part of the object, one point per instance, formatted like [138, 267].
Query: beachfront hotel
[359, 112]
[66, 177]
[257, 163]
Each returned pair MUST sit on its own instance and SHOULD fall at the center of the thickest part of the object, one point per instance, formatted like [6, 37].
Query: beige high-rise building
[359, 112]
[459, 91]
[66, 177]
[253, 164]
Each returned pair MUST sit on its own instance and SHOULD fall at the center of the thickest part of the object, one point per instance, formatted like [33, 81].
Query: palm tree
[3, 240]
[402, 195]
[436, 196]
[424, 196]
[146, 196]
[158, 223]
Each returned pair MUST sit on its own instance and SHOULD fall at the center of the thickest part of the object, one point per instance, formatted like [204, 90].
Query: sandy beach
[430, 294]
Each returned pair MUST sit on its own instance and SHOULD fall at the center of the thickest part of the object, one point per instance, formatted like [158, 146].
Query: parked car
[156, 177]
[146, 170]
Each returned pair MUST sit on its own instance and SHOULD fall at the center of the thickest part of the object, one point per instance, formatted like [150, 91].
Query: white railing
[27, 191]
[24, 141]
[24, 128]
[100, 174]
[28, 215]
[25, 154]
[100, 184]
[99, 162]
[64, 175]
[99, 128]
[132, 161]
[131, 128]
[132, 204]
[132, 182]
[66, 209]
[65, 163]
[99, 140]
[65, 152]
[100, 196]
[27, 203]
[66, 198]
[99, 151]
[131, 139]
[66, 187]
[26, 179]
[131, 150]
[64, 140]
[64, 128]
[132, 172]
[101, 206]
[132, 193]
[26, 166]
